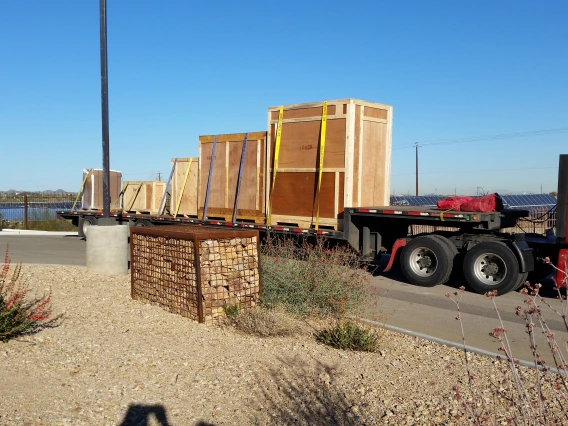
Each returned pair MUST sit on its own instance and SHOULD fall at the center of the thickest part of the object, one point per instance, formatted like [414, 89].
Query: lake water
[15, 212]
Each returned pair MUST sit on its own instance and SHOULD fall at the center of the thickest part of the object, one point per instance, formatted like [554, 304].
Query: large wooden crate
[195, 271]
[226, 164]
[356, 164]
[92, 198]
[183, 200]
[143, 196]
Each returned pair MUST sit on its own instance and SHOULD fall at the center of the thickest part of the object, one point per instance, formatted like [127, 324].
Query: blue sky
[179, 69]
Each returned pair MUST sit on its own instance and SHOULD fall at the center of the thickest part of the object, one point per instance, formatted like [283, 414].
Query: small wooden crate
[184, 183]
[223, 187]
[195, 271]
[356, 166]
[143, 196]
[93, 189]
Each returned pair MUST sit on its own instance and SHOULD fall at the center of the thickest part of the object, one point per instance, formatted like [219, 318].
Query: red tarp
[486, 203]
[453, 203]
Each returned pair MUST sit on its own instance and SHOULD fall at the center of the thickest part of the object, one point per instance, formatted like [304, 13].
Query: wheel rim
[423, 262]
[490, 269]
[86, 225]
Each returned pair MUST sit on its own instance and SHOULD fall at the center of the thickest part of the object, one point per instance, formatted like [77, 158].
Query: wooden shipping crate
[92, 198]
[226, 164]
[195, 271]
[184, 190]
[356, 164]
[143, 196]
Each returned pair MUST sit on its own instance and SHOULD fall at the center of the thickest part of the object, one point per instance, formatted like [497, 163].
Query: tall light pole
[104, 102]
[416, 143]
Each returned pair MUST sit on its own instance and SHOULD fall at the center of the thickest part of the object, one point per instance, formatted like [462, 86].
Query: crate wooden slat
[143, 196]
[251, 205]
[195, 271]
[93, 190]
[356, 167]
[188, 204]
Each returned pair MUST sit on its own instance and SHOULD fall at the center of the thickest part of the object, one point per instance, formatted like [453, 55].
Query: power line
[476, 171]
[487, 137]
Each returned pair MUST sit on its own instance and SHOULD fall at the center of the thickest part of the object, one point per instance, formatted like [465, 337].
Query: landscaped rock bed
[113, 358]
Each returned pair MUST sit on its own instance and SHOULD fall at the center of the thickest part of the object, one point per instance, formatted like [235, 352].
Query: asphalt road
[401, 306]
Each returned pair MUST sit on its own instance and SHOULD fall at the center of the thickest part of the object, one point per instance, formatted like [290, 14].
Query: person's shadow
[138, 415]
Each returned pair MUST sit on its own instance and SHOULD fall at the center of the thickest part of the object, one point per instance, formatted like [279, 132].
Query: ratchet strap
[276, 153]
[209, 178]
[81, 189]
[183, 186]
[322, 151]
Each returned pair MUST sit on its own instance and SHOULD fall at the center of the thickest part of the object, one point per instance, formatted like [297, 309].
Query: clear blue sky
[180, 69]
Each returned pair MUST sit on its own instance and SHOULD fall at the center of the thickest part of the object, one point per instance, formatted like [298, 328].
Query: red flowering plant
[20, 313]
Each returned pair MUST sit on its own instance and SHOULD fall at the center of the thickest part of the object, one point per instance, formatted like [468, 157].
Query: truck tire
[447, 242]
[426, 261]
[143, 222]
[84, 223]
[522, 280]
[491, 265]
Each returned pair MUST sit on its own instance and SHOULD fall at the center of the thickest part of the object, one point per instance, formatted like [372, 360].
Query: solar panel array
[521, 201]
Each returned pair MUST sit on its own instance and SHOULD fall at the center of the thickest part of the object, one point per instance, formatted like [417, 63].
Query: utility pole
[416, 143]
[104, 102]
[159, 177]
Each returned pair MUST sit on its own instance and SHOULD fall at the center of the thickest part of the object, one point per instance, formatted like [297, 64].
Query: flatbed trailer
[489, 259]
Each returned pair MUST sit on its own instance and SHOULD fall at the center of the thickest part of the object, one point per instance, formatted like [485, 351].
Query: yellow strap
[130, 204]
[445, 211]
[276, 153]
[183, 186]
[322, 150]
[81, 189]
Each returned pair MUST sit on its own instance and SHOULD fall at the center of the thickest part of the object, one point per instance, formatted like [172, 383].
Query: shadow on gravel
[139, 415]
[300, 394]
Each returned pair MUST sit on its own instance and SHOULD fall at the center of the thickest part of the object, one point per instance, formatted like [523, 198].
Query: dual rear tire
[491, 265]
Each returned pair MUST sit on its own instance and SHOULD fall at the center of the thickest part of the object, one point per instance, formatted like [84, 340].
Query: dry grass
[265, 322]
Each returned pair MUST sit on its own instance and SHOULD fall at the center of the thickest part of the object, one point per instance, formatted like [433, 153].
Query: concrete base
[108, 249]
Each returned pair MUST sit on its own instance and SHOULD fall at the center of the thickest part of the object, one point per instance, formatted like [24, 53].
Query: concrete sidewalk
[12, 232]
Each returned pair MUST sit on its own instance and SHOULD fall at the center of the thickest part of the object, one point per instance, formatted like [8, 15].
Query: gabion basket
[195, 271]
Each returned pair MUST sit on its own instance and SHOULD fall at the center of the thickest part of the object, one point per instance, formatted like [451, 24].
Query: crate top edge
[320, 103]
[193, 232]
[233, 137]
[178, 159]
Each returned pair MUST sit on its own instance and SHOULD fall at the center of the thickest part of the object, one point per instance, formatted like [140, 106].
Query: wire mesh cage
[195, 271]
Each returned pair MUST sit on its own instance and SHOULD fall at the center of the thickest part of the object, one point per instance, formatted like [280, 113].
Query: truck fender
[401, 242]
[562, 271]
[524, 255]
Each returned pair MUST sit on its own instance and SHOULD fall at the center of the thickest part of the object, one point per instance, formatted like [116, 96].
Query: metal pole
[25, 211]
[104, 100]
[416, 143]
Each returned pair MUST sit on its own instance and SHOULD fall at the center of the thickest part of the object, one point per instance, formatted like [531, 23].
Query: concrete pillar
[108, 250]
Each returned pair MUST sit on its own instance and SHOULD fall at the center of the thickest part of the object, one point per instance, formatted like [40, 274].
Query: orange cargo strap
[322, 150]
[276, 154]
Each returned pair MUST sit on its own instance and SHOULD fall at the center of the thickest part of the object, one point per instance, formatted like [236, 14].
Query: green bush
[313, 278]
[349, 335]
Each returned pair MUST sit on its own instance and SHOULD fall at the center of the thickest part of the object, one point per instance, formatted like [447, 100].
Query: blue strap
[241, 167]
[209, 178]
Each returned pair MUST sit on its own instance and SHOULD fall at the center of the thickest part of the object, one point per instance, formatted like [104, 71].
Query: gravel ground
[115, 361]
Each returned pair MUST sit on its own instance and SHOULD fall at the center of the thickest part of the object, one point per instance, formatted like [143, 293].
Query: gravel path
[115, 361]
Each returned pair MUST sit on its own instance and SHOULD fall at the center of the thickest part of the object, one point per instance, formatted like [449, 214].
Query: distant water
[15, 212]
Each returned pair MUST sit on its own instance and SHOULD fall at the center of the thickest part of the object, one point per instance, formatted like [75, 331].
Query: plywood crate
[92, 198]
[223, 187]
[195, 271]
[356, 164]
[184, 184]
[143, 196]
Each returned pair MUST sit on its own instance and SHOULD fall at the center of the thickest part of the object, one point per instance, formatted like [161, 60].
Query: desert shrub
[313, 278]
[266, 322]
[520, 395]
[350, 335]
[20, 313]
